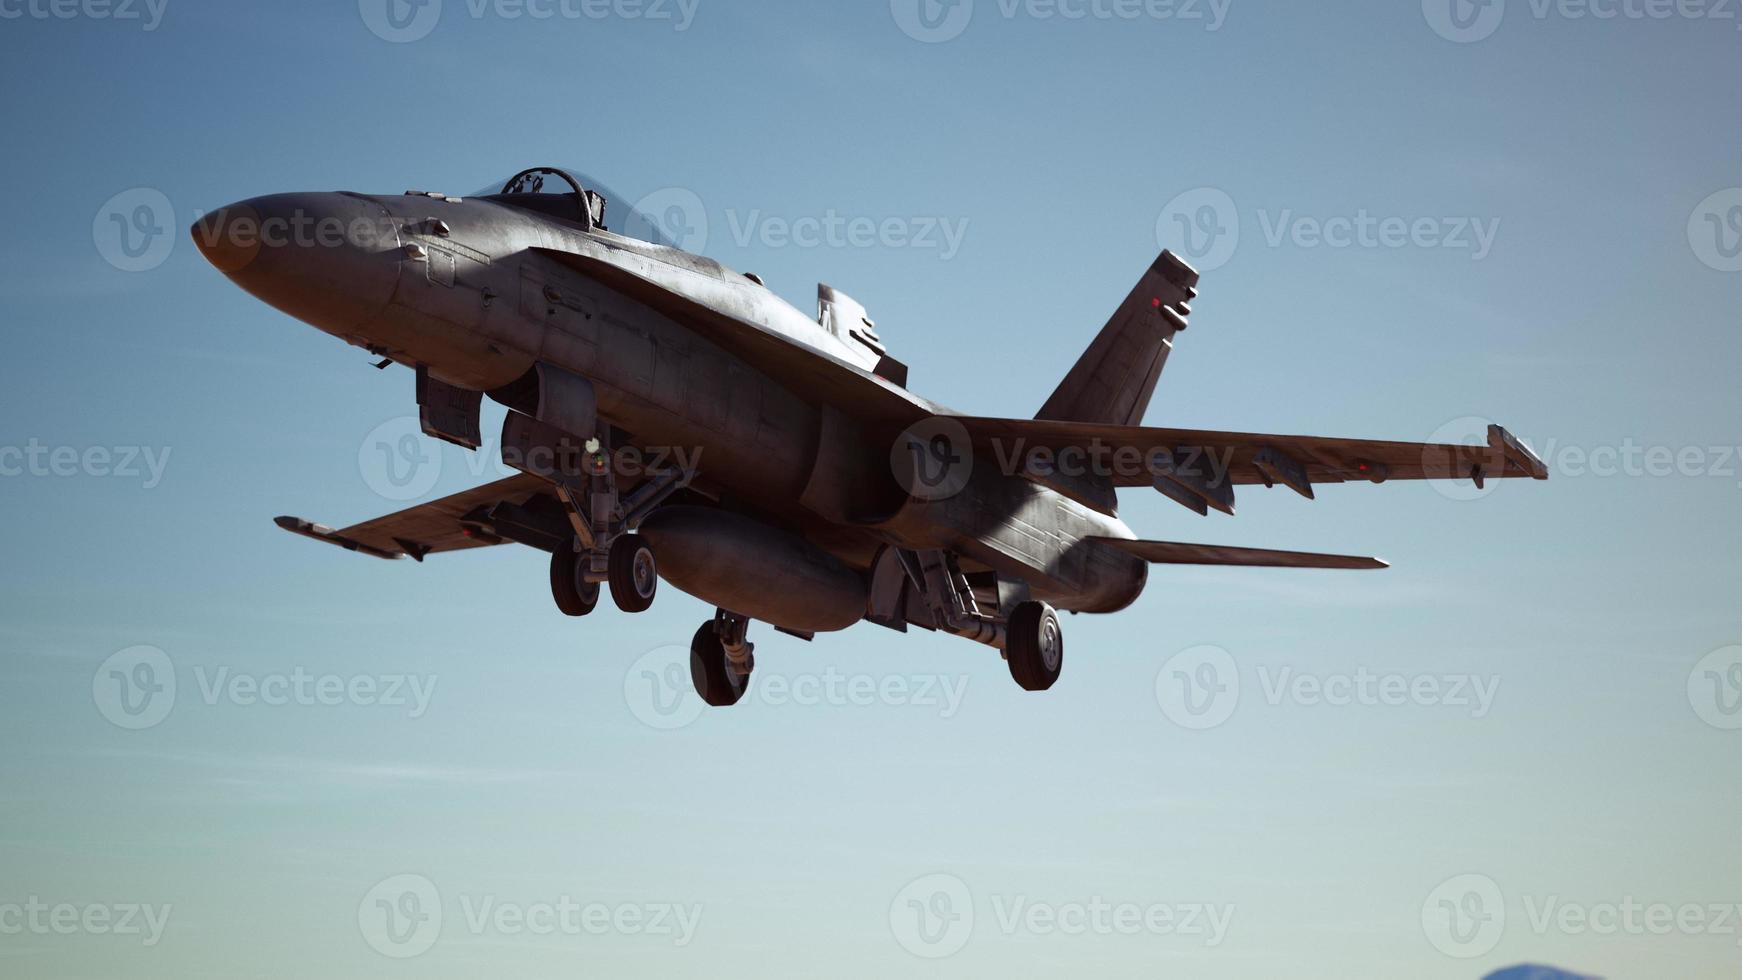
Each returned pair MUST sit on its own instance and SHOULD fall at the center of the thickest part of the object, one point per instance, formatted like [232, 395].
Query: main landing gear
[605, 550]
[905, 584]
[722, 659]
[632, 575]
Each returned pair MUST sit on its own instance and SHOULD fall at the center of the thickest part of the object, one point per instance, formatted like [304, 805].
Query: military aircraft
[819, 492]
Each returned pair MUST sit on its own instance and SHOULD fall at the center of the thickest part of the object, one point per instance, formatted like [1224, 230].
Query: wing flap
[1170, 553]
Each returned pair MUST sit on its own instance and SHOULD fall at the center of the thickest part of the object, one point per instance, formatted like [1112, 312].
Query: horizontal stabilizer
[1169, 553]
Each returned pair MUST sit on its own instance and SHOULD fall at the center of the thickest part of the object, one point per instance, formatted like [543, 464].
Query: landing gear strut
[604, 548]
[722, 659]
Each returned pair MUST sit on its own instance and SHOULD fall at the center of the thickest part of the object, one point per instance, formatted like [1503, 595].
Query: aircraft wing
[1199, 469]
[455, 523]
[1169, 553]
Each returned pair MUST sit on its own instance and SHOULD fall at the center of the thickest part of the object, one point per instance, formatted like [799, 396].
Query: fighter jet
[670, 418]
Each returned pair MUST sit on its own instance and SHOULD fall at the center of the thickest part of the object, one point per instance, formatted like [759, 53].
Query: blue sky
[887, 804]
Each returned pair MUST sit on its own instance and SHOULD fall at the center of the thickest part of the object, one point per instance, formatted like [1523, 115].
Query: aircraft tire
[574, 595]
[634, 575]
[716, 682]
[1035, 647]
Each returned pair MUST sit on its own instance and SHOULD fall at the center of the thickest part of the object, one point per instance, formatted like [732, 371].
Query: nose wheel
[721, 660]
[1035, 647]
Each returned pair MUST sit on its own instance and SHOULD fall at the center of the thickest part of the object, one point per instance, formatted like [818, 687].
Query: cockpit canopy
[579, 200]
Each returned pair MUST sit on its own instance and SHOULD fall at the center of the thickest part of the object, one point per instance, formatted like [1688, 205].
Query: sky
[1518, 745]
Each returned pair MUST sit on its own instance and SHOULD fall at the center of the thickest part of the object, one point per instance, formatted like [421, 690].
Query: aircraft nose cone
[229, 237]
[331, 260]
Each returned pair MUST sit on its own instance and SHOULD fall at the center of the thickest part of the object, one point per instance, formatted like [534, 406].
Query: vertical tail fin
[1115, 378]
